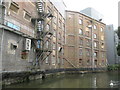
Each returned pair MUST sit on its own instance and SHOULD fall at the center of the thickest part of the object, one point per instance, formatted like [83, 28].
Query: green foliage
[113, 67]
[118, 32]
[118, 47]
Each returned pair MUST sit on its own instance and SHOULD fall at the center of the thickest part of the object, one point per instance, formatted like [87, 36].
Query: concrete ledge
[24, 76]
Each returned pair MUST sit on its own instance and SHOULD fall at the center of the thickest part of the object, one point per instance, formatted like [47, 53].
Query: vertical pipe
[92, 41]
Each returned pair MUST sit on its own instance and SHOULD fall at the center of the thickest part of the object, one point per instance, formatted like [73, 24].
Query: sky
[108, 8]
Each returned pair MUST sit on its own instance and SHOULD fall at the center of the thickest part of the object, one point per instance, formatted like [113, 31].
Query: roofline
[84, 15]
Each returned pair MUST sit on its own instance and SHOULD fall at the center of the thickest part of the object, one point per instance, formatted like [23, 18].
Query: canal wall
[26, 76]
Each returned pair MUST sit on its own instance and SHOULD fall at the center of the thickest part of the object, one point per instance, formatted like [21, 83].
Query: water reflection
[90, 80]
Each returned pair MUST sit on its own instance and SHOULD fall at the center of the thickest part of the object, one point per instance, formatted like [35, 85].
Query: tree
[118, 32]
[118, 47]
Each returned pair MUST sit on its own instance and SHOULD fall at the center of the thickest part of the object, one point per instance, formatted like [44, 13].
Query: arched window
[80, 31]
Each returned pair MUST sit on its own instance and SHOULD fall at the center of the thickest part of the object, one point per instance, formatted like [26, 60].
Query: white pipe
[1, 49]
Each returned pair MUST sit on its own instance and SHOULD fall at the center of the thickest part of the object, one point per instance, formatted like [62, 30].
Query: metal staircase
[43, 36]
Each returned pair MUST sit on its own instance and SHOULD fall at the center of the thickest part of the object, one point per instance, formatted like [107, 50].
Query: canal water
[89, 80]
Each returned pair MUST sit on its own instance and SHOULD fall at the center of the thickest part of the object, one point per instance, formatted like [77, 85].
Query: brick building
[31, 38]
[85, 42]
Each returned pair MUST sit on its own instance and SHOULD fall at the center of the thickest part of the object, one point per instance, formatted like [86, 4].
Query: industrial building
[41, 36]
[85, 41]
[30, 38]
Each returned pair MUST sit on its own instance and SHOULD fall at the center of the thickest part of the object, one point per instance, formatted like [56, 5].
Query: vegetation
[118, 47]
[113, 67]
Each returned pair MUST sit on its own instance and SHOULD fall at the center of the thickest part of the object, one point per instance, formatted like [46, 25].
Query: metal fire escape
[43, 34]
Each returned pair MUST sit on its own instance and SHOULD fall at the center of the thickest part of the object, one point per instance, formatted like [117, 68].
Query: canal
[89, 80]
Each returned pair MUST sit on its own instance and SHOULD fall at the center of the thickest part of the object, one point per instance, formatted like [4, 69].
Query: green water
[89, 80]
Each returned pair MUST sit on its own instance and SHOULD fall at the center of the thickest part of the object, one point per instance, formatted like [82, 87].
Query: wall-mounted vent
[27, 44]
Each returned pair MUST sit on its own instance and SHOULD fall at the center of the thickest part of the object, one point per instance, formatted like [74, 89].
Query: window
[95, 44]
[53, 60]
[70, 16]
[55, 17]
[95, 54]
[80, 52]
[38, 44]
[80, 21]
[102, 45]
[80, 61]
[87, 52]
[87, 42]
[95, 35]
[54, 46]
[63, 27]
[103, 54]
[46, 60]
[103, 62]
[80, 31]
[81, 41]
[47, 44]
[55, 20]
[59, 36]
[101, 29]
[87, 33]
[95, 62]
[14, 7]
[47, 27]
[27, 16]
[87, 29]
[60, 24]
[53, 52]
[95, 27]
[54, 33]
[88, 62]
[58, 60]
[102, 37]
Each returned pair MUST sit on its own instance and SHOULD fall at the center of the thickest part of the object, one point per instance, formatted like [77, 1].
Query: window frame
[80, 31]
[80, 21]
[25, 12]
[15, 5]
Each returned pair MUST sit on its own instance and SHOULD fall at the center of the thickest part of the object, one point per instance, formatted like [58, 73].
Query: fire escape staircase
[41, 34]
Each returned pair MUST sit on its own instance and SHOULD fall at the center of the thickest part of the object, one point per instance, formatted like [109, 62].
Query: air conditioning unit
[27, 44]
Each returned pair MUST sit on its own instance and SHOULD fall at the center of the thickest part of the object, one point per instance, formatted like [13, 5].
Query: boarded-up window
[14, 7]
[27, 16]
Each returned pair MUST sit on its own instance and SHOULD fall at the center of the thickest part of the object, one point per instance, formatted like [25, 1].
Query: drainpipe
[1, 47]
